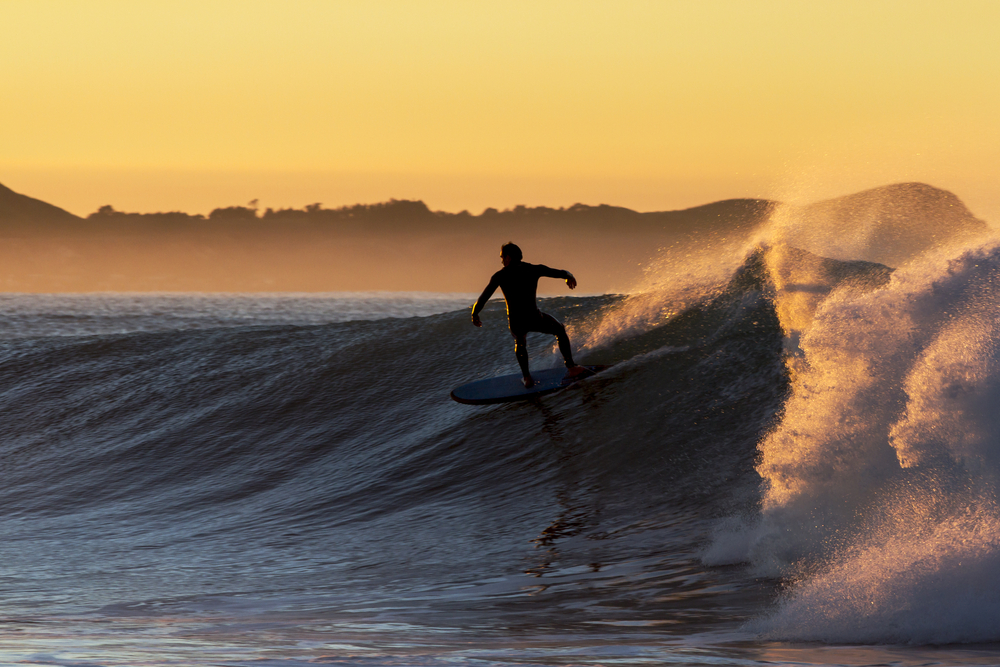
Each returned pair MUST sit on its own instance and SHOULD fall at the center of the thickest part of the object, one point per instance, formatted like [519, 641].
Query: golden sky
[184, 105]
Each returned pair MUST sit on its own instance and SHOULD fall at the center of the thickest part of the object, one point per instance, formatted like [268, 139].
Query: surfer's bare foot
[528, 382]
[574, 371]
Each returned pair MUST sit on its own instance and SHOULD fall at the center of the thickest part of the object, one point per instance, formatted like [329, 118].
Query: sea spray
[680, 277]
[925, 574]
[880, 480]
[953, 387]
[891, 225]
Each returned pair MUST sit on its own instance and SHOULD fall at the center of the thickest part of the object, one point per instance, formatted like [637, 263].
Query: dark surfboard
[506, 388]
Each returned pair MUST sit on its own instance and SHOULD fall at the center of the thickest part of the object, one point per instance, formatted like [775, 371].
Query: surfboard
[506, 388]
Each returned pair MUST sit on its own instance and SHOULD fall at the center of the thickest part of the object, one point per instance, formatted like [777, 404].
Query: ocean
[792, 461]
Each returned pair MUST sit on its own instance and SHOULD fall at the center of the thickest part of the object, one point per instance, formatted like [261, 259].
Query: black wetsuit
[519, 283]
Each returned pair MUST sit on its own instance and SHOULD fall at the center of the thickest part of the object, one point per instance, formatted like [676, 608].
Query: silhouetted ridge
[396, 214]
[109, 214]
[18, 207]
[404, 245]
[402, 214]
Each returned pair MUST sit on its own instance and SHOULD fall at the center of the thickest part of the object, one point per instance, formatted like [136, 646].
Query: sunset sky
[179, 105]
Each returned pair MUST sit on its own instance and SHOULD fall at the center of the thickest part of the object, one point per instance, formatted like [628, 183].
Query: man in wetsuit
[518, 281]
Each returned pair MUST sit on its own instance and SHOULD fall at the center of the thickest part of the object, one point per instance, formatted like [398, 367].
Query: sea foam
[879, 482]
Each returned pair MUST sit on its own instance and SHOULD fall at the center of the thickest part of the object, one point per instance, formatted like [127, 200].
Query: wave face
[321, 470]
[302, 474]
[338, 439]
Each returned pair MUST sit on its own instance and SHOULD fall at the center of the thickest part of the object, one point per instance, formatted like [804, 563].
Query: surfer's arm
[558, 273]
[483, 298]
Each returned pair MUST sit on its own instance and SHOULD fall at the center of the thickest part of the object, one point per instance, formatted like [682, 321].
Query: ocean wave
[830, 419]
[879, 482]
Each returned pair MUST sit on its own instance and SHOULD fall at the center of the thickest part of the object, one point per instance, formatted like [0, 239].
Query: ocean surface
[793, 461]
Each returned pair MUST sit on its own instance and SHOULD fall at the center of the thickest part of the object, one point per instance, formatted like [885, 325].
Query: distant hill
[394, 245]
[403, 245]
[402, 216]
[15, 207]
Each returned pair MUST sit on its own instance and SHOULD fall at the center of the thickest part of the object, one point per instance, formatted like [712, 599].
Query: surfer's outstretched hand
[571, 281]
[477, 321]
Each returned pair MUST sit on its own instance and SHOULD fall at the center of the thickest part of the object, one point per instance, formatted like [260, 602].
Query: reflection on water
[574, 498]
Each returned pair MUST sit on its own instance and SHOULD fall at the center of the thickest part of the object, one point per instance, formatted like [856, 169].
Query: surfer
[518, 280]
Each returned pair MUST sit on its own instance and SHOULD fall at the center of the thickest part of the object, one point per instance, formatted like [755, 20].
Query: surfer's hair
[511, 250]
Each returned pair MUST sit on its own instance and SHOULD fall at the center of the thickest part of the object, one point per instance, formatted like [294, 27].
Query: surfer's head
[509, 252]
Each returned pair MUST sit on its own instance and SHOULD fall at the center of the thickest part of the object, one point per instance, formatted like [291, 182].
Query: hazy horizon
[403, 245]
[656, 107]
[307, 203]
